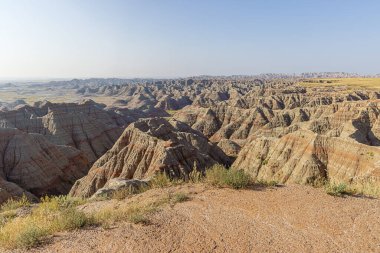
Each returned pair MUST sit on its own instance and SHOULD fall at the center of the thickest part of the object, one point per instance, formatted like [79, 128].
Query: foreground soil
[281, 219]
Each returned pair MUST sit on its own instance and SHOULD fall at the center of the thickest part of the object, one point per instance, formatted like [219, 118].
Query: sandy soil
[284, 219]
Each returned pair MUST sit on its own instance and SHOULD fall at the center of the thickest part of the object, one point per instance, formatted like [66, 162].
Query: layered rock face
[89, 127]
[32, 165]
[276, 130]
[308, 158]
[339, 142]
[260, 112]
[149, 146]
[45, 148]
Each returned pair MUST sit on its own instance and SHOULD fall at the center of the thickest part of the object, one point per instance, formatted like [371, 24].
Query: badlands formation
[106, 153]
[274, 129]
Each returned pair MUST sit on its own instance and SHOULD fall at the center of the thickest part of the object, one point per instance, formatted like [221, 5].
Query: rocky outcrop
[229, 147]
[88, 126]
[149, 146]
[224, 121]
[309, 158]
[119, 184]
[32, 165]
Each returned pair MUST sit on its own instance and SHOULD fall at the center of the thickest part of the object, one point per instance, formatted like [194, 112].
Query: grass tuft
[180, 197]
[126, 192]
[136, 214]
[161, 180]
[196, 176]
[12, 204]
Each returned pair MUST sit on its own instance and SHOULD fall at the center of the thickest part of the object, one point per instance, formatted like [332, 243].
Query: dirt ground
[281, 219]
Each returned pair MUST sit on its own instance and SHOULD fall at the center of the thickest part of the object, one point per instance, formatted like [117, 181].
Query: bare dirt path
[284, 219]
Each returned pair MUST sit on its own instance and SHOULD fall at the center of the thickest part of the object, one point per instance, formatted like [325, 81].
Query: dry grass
[12, 204]
[196, 176]
[7, 216]
[51, 215]
[135, 214]
[365, 188]
[127, 192]
[362, 188]
[55, 214]
[180, 197]
[366, 83]
[162, 180]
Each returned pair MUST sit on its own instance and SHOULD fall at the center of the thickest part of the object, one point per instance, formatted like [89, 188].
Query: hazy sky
[163, 38]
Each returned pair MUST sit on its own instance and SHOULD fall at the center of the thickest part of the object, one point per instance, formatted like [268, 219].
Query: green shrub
[238, 179]
[70, 219]
[29, 237]
[337, 189]
[222, 177]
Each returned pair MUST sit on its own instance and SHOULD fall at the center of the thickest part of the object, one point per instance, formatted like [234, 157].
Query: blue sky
[169, 38]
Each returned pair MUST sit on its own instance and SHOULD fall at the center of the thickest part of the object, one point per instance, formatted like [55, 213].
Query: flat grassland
[351, 83]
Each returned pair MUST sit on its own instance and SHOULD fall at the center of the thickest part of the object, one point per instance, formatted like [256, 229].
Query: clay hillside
[204, 164]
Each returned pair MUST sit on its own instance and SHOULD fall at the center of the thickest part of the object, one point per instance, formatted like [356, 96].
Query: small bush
[222, 177]
[29, 237]
[337, 189]
[70, 219]
[12, 204]
[238, 179]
